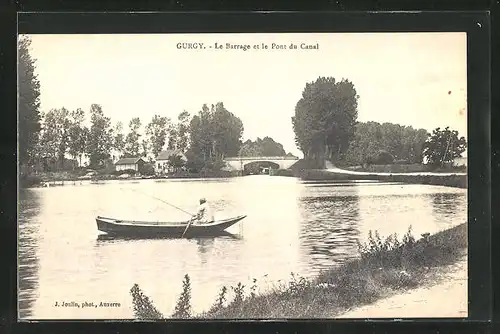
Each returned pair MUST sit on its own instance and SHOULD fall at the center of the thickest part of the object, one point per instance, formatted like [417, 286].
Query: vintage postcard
[242, 176]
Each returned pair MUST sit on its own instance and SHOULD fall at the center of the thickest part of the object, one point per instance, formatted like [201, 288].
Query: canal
[291, 226]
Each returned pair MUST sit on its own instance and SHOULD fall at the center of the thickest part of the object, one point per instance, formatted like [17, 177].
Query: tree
[29, 103]
[443, 146]
[118, 139]
[55, 135]
[176, 162]
[145, 148]
[156, 131]
[403, 142]
[50, 137]
[227, 130]
[132, 143]
[265, 147]
[183, 131]
[78, 134]
[215, 133]
[100, 137]
[172, 137]
[200, 134]
[325, 119]
[194, 162]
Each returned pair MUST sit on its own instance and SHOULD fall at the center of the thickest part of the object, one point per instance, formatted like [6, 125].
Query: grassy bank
[458, 181]
[384, 268]
[406, 168]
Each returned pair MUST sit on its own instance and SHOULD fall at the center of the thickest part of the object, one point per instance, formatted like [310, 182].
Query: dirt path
[331, 168]
[447, 298]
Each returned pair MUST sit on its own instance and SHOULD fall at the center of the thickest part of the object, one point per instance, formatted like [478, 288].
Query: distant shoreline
[449, 178]
[456, 180]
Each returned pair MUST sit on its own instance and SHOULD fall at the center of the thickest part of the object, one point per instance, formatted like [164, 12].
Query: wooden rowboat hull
[163, 229]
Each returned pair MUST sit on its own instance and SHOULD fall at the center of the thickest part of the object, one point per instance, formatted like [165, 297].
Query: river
[291, 226]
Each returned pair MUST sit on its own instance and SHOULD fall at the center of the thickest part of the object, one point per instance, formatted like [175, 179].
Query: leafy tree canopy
[325, 118]
[404, 143]
[100, 137]
[444, 146]
[265, 147]
[29, 102]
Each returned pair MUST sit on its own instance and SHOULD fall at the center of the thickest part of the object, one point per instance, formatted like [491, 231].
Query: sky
[414, 79]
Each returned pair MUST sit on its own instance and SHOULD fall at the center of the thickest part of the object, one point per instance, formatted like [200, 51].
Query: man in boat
[205, 214]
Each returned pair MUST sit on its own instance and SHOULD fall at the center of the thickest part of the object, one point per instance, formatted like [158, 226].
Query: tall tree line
[326, 128]
[404, 143]
[29, 104]
[210, 135]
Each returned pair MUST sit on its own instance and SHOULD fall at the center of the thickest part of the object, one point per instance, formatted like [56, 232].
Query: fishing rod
[159, 199]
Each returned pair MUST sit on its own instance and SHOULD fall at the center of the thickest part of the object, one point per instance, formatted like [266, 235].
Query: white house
[161, 164]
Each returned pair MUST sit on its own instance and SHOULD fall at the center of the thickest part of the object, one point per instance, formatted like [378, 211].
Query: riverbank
[385, 268]
[450, 288]
[66, 178]
[457, 180]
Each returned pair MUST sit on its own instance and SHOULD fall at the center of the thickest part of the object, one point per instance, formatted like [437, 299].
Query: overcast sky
[411, 79]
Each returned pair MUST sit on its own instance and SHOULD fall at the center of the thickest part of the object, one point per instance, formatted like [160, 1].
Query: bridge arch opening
[259, 167]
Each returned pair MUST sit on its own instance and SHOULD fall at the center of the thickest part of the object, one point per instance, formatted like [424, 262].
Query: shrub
[126, 171]
[253, 288]
[297, 285]
[370, 159]
[239, 294]
[148, 169]
[183, 306]
[390, 251]
[219, 303]
[26, 181]
[143, 306]
[384, 158]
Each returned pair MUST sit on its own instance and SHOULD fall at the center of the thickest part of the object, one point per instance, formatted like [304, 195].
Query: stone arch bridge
[239, 163]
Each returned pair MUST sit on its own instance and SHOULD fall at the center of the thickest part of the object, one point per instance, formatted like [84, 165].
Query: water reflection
[102, 238]
[204, 247]
[329, 232]
[447, 204]
[29, 207]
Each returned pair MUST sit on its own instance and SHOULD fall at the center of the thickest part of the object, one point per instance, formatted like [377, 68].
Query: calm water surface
[292, 226]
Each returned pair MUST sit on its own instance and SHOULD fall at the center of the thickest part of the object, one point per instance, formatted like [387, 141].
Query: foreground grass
[385, 267]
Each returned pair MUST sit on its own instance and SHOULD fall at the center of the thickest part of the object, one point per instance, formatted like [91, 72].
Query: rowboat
[165, 229]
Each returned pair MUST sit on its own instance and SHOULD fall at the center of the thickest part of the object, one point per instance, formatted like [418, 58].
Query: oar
[189, 223]
[163, 202]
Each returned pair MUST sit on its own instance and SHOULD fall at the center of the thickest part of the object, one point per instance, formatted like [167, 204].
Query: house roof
[164, 155]
[128, 161]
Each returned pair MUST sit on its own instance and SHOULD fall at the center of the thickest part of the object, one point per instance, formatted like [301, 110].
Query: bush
[126, 171]
[370, 160]
[148, 169]
[143, 306]
[219, 303]
[183, 307]
[384, 158]
[26, 181]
